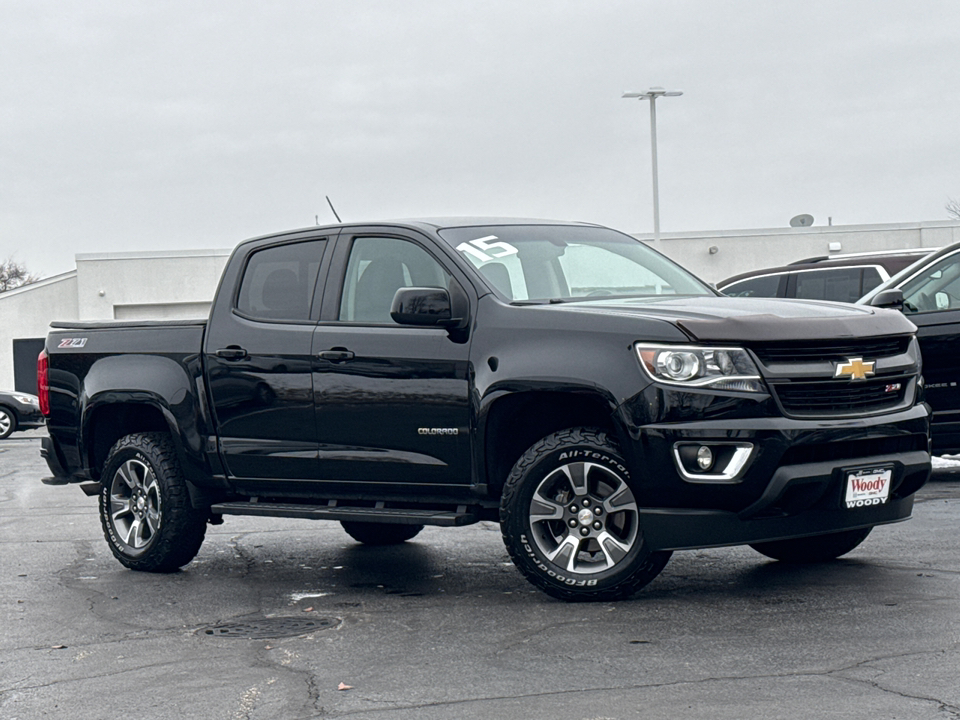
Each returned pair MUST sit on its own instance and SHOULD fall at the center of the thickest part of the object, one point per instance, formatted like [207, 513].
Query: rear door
[259, 361]
[392, 401]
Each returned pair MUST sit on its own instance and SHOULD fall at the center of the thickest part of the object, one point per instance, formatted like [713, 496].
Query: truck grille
[801, 376]
[843, 397]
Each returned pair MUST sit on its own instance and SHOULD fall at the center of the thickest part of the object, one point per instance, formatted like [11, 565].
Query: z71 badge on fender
[72, 343]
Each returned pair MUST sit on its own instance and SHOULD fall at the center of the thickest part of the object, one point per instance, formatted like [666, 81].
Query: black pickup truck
[601, 403]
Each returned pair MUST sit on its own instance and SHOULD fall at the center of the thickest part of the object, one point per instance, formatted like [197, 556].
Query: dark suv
[842, 278]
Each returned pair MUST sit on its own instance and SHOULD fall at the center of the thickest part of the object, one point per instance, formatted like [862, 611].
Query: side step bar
[463, 515]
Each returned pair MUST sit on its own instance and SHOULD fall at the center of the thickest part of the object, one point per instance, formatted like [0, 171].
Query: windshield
[539, 263]
[897, 281]
[935, 289]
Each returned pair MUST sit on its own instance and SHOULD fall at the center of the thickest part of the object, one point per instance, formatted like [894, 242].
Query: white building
[181, 284]
[715, 256]
[114, 286]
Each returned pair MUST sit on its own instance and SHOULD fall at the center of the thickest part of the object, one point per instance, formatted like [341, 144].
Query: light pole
[652, 94]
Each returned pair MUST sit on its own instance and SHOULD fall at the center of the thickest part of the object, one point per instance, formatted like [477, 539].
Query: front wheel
[373, 533]
[815, 549]
[145, 508]
[571, 522]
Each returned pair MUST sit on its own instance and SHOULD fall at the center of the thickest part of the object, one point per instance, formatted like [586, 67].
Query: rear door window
[871, 278]
[763, 286]
[278, 282]
[837, 284]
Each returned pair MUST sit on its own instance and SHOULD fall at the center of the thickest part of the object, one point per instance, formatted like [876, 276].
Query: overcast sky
[166, 125]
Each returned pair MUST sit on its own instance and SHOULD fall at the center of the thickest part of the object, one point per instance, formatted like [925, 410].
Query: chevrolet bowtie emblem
[855, 369]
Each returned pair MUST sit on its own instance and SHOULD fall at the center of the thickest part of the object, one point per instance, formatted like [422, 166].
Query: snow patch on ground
[946, 461]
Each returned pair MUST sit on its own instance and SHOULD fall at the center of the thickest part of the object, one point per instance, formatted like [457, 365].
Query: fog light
[704, 458]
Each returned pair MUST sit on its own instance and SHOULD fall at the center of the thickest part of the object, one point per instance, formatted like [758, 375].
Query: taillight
[43, 382]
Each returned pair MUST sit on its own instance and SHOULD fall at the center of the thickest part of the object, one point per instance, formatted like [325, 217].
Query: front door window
[377, 268]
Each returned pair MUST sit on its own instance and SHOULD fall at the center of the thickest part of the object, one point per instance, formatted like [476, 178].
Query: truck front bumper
[684, 528]
[791, 481]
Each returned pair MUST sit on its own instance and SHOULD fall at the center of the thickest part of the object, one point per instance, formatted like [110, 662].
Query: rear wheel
[814, 549]
[571, 522]
[8, 423]
[145, 508]
[372, 533]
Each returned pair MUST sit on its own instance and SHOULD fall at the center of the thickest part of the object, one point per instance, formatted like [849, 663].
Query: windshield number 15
[485, 251]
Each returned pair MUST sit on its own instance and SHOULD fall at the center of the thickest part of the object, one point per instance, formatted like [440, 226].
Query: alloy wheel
[584, 518]
[135, 504]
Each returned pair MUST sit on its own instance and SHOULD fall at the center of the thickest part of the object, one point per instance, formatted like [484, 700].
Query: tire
[8, 423]
[373, 533]
[814, 549]
[570, 519]
[145, 508]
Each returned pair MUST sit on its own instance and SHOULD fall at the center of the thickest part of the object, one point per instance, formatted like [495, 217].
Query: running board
[397, 516]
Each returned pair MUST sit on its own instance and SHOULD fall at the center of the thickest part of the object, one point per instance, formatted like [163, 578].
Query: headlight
[691, 366]
[26, 399]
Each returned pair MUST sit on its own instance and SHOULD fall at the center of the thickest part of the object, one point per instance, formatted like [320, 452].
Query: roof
[428, 223]
[891, 262]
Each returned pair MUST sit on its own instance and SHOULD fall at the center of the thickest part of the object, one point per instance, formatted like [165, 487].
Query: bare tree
[953, 208]
[14, 275]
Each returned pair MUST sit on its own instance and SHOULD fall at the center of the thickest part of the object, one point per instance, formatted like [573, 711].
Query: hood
[736, 319]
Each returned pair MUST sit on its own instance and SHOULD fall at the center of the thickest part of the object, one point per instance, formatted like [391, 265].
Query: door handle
[336, 355]
[232, 353]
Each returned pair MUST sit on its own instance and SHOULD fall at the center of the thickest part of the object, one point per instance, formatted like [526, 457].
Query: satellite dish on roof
[801, 221]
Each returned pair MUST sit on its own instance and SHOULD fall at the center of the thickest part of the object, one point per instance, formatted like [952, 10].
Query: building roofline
[44, 282]
[152, 254]
[809, 230]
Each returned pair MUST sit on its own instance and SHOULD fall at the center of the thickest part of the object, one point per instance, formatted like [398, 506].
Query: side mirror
[890, 298]
[422, 306]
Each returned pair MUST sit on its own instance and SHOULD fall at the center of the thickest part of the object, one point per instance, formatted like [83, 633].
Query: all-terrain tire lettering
[626, 576]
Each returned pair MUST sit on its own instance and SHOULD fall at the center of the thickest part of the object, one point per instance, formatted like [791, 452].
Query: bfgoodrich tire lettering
[570, 519]
[145, 508]
[818, 548]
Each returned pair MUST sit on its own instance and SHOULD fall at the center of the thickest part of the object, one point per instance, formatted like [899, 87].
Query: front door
[392, 400]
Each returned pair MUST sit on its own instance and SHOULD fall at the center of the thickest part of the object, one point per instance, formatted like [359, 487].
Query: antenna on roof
[801, 221]
[333, 209]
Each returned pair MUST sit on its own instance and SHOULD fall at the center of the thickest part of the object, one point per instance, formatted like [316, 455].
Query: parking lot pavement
[445, 627]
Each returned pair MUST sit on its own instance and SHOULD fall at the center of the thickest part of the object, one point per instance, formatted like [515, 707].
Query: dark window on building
[25, 353]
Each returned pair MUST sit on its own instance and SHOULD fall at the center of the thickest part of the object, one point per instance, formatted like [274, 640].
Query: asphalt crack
[834, 675]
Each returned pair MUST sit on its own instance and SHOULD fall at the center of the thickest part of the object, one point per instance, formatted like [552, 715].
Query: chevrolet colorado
[598, 401]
